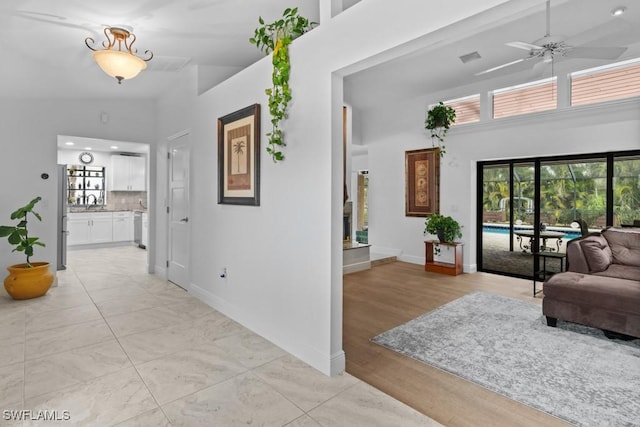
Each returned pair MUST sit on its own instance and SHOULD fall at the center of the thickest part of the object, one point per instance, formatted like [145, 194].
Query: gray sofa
[602, 285]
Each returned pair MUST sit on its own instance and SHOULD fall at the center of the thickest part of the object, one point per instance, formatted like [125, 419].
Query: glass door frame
[609, 157]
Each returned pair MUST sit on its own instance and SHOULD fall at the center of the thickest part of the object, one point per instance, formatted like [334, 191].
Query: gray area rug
[572, 372]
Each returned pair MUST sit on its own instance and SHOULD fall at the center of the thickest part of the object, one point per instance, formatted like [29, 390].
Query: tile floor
[112, 345]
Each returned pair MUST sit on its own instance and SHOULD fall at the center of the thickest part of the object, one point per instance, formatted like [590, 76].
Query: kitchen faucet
[95, 201]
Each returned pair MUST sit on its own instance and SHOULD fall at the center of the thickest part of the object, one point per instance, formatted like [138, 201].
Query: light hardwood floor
[388, 295]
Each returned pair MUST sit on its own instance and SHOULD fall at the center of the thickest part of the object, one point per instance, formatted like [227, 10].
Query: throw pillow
[625, 245]
[597, 252]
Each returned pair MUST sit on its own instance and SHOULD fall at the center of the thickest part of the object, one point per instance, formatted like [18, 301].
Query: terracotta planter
[25, 283]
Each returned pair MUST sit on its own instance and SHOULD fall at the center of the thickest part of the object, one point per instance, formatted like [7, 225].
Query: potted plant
[30, 279]
[439, 120]
[275, 38]
[445, 227]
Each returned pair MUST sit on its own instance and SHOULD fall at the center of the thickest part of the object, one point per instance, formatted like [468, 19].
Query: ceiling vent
[167, 63]
[470, 57]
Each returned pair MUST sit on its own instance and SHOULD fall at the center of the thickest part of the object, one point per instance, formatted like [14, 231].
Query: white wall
[29, 130]
[284, 258]
[592, 129]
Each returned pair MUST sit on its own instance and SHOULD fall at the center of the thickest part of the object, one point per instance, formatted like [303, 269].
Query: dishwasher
[137, 229]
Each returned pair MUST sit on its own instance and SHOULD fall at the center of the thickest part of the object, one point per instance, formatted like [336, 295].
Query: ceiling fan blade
[539, 68]
[595, 52]
[524, 45]
[508, 64]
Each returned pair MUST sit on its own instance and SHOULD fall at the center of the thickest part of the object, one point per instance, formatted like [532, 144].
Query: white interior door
[179, 229]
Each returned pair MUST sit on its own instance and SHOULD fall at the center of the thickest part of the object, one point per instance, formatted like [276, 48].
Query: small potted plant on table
[445, 227]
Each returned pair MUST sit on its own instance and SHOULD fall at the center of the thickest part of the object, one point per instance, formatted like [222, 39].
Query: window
[526, 98]
[626, 190]
[617, 81]
[467, 109]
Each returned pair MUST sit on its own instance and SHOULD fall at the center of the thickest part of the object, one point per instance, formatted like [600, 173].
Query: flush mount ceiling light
[118, 59]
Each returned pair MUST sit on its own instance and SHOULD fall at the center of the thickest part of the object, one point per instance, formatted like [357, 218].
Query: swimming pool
[504, 229]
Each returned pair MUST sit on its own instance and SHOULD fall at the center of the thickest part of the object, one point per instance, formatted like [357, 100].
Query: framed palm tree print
[239, 157]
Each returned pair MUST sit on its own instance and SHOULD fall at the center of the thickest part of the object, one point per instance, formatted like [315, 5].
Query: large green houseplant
[439, 119]
[446, 228]
[30, 279]
[275, 38]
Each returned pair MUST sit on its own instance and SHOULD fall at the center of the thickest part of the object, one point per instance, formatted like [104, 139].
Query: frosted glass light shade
[120, 65]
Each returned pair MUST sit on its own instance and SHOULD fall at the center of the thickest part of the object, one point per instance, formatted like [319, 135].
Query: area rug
[503, 344]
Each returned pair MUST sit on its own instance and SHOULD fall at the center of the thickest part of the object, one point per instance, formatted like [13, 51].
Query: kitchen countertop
[85, 210]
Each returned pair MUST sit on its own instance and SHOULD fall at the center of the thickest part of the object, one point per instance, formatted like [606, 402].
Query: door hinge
[169, 155]
[167, 209]
[167, 263]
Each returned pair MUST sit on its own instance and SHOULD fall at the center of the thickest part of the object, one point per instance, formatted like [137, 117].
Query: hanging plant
[275, 38]
[439, 120]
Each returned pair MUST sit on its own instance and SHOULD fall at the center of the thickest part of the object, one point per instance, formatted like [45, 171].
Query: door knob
[185, 219]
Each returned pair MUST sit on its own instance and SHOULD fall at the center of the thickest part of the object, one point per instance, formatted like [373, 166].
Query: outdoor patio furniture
[544, 236]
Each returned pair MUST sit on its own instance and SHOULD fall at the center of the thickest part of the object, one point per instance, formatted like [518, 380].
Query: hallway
[114, 345]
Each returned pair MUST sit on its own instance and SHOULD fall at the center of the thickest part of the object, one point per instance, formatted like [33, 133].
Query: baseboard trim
[332, 365]
[338, 363]
[359, 266]
[412, 259]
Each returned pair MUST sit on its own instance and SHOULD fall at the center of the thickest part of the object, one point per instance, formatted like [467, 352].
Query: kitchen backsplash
[126, 200]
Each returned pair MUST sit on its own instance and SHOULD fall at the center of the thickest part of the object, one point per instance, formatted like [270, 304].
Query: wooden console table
[443, 267]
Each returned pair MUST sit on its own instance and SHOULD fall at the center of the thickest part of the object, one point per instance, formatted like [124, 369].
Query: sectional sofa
[601, 287]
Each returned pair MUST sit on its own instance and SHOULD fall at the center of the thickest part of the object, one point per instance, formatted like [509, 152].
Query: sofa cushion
[624, 244]
[597, 252]
[621, 272]
[609, 293]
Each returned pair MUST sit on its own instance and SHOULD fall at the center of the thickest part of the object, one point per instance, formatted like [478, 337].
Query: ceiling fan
[550, 48]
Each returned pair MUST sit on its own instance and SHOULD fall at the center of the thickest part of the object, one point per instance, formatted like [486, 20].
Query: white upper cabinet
[128, 173]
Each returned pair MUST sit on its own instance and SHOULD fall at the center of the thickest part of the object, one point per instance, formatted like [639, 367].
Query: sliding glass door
[507, 211]
[626, 191]
[534, 205]
[573, 190]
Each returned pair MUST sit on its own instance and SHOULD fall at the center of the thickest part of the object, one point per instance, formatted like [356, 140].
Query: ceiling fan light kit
[118, 59]
[549, 48]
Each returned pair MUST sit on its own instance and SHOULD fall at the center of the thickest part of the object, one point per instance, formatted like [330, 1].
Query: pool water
[503, 229]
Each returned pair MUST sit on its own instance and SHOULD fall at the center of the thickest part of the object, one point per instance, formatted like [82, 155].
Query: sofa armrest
[576, 260]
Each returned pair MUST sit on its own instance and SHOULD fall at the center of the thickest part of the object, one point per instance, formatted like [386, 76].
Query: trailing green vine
[275, 38]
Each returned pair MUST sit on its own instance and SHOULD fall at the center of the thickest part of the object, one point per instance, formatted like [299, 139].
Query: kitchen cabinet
[122, 226]
[99, 227]
[78, 227]
[89, 227]
[128, 173]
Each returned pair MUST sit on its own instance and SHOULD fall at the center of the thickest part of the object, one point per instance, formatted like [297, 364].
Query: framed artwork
[422, 182]
[239, 157]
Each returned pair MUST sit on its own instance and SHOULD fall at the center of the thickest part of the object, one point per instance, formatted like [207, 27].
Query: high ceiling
[439, 70]
[45, 55]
